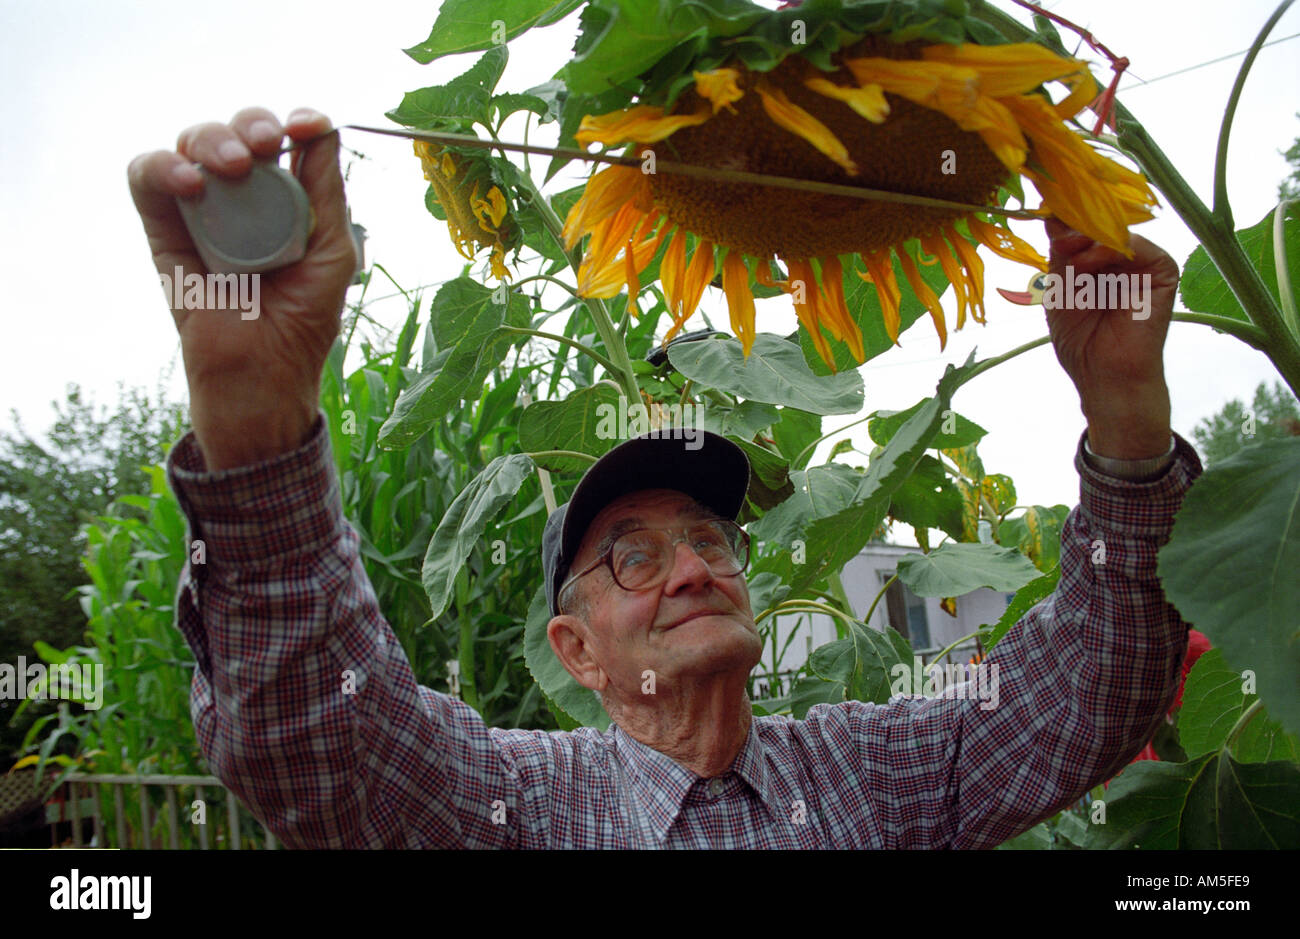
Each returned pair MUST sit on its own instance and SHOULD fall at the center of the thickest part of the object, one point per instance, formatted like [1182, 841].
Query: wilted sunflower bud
[477, 210]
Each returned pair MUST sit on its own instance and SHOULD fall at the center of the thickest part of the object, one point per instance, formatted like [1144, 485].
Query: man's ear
[570, 641]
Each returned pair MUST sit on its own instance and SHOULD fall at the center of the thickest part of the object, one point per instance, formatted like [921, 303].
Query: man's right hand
[254, 383]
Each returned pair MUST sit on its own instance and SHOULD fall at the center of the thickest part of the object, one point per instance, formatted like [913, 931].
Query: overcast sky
[89, 85]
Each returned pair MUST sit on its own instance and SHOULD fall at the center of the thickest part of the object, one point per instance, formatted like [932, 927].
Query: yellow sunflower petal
[954, 91]
[633, 281]
[936, 246]
[600, 264]
[801, 272]
[925, 295]
[974, 266]
[643, 123]
[672, 272]
[867, 101]
[837, 308]
[881, 268]
[740, 299]
[763, 274]
[1082, 93]
[1081, 187]
[1009, 69]
[698, 276]
[448, 164]
[497, 260]
[497, 201]
[604, 194]
[785, 113]
[1002, 242]
[719, 87]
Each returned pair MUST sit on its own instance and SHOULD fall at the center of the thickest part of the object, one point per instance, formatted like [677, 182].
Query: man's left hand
[1115, 356]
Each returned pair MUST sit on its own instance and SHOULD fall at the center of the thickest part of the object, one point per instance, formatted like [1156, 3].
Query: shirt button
[715, 786]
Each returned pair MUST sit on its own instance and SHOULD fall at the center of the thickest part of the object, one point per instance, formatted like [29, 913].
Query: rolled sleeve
[304, 702]
[1081, 682]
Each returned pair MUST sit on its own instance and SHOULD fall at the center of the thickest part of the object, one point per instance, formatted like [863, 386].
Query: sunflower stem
[979, 368]
[555, 337]
[1247, 716]
[1222, 208]
[1221, 244]
[1285, 290]
[575, 454]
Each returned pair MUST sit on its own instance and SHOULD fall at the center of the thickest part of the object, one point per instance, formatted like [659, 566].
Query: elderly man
[306, 707]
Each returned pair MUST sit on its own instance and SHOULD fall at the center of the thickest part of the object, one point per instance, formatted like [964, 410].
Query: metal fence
[79, 798]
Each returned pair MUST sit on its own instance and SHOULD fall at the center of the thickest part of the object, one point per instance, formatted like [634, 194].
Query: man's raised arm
[303, 701]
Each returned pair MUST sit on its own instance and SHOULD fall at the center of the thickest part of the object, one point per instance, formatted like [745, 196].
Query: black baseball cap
[715, 472]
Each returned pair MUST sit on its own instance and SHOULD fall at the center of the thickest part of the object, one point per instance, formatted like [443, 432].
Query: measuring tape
[261, 222]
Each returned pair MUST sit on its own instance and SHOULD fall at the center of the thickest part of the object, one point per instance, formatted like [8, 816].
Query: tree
[48, 489]
[1289, 188]
[1273, 414]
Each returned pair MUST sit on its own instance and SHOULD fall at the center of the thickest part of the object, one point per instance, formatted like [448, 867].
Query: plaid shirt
[281, 615]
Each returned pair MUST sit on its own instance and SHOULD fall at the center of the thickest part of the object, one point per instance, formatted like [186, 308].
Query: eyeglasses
[642, 559]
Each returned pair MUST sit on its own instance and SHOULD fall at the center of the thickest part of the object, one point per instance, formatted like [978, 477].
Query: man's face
[695, 623]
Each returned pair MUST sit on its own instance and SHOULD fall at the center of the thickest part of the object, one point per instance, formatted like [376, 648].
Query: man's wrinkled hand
[254, 383]
[1114, 355]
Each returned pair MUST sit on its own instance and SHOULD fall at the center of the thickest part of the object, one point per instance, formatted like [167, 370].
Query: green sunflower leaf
[955, 569]
[1230, 567]
[862, 664]
[464, 320]
[828, 543]
[620, 39]
[1213, 702]
[774, 373]
[465, 521]
[1209, 803]
[563, 693]
[474, 25]
[581, 422]
[461, 102]
[928, 499]
[1026, 598]
[962, 431]
[819, 492]
[1205, 291]
[1037, 533]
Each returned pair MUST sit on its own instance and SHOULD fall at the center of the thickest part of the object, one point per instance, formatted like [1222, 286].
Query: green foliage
[1273, 414]
[457, 105]
[1202, 285]
[622, 40]
[49, 489]
[954, 569]
[466, 318]
[774, 373]
[1233, 574]
[1214, 701]
[472, 25]
[1289, 188]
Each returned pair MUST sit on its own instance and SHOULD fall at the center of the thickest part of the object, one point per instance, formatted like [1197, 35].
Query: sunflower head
[477, 212]
[887, 108]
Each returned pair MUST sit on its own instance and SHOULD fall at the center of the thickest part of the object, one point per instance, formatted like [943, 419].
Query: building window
[906, 612]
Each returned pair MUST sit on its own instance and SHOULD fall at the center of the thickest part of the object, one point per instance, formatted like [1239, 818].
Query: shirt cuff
[288, 505]
[1137, 508]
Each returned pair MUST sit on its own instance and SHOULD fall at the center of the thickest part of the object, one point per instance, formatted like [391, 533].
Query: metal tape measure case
[258, 223]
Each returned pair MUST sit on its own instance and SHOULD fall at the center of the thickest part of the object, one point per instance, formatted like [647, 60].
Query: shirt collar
[660, 783]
